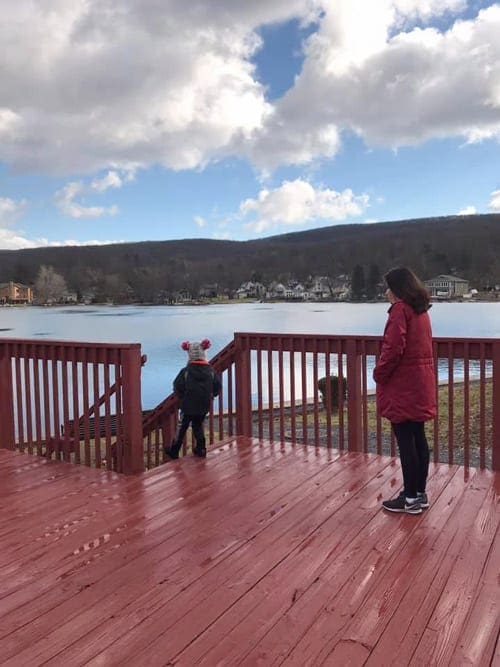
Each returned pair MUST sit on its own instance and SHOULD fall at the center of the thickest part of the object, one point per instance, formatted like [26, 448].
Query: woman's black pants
[414, 454]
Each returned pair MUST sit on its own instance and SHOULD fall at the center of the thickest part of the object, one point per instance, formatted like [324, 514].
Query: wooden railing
[80, 402]
[271, 391]
[224, 418]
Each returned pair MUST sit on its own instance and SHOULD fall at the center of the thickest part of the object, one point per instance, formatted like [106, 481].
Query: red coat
[404, 372]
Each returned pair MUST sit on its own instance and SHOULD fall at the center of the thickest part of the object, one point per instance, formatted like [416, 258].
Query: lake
[161, 329]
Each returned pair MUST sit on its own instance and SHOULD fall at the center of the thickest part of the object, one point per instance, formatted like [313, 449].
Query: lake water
[161, 329]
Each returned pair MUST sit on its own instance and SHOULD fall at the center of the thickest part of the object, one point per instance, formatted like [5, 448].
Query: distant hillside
[468, 246]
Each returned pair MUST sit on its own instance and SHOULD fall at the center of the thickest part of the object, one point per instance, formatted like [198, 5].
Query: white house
[250, 290]
[276, 291]
[447, 286]
[320, 288]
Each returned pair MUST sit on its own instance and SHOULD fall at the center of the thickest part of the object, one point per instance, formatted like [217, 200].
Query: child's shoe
[200, 451]
[172, 452]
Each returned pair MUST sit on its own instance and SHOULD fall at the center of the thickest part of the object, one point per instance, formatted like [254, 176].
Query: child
[195, 385]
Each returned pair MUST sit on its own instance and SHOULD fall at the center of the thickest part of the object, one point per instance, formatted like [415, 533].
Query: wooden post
[495, 399]
[354, 429]
[7, 431]
[133, 459]
[243, 387]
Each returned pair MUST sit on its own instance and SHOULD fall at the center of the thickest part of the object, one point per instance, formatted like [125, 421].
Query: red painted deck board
[261, 554]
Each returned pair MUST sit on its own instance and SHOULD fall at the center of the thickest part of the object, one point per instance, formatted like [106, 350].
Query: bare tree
[49, 285]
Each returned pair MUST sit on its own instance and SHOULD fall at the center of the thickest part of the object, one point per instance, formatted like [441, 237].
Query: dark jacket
[195, 385]
[404, 372]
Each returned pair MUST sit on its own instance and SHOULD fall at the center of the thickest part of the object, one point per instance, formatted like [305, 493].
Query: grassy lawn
[460, 428]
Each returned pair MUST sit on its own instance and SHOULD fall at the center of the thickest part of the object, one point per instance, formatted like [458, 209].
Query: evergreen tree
[373, 281]
[358, 282]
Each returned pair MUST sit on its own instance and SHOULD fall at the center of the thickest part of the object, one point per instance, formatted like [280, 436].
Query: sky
[134, 120]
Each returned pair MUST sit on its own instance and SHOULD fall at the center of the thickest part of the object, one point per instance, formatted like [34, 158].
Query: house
[297, 291]
[276, 290]
[183, 296]
[251, 289]
[447, 286]
[15, 293]
[69, 297]
[320, 287]
[209, 291]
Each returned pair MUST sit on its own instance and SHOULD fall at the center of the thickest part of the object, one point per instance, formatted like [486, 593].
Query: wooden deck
[261, 554]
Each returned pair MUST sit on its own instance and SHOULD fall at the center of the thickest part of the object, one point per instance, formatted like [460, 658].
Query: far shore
[494, 298]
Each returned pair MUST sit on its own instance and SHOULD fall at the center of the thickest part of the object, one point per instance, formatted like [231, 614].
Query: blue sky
[139, 120]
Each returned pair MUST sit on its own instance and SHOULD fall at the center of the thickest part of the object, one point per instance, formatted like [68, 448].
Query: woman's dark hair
[404, 284]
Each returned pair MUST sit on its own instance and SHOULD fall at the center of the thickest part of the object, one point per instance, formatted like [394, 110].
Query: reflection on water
[161, 329]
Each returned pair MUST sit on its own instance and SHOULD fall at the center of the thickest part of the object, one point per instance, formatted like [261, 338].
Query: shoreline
[229, 302]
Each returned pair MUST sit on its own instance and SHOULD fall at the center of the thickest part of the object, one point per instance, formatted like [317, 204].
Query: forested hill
[468, 246]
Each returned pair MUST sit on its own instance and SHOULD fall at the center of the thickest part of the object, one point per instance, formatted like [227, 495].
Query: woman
[406, 384]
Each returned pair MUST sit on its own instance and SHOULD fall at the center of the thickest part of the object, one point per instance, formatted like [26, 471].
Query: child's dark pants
[196, 422]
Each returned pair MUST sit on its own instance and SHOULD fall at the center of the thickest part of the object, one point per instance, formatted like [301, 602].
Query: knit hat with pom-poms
[196, 351]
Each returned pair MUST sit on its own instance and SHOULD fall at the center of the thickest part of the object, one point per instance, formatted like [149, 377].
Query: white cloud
[201, 222]
[87, 84]
[368, 70]
[64, 198]
[111, 180]
[11, 210]
[11, 240]
[495, 201]
[298, 203]
[222, 236]
[90, 85]
[73, 242]
[468, 210]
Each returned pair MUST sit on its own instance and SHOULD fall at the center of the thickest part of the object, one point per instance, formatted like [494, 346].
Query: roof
[443, 276]
[11, 282]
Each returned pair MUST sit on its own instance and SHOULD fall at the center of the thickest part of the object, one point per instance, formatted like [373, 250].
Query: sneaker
[423, 500]
[200, 452]
[400, 504]
[422, 497]
[171, 453]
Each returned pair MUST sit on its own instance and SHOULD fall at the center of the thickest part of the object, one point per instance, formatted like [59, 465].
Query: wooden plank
[347, 654]
[477, 641]
[201, 579]
[241, 628]
[94, 503]
[161, 508]
[180, 526]
[217, 593]
[401, 635]
[399, 595]
[445, 626]
[260, 554]
[308, 621]
[26, 468]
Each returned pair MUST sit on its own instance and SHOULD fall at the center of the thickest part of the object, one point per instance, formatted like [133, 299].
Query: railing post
[495, 399]
[133, 458]
[354, 394]
[243, 387]
[7, 432]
